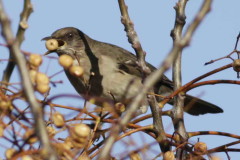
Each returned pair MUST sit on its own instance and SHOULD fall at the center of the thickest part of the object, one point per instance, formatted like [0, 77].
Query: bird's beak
[46, 38]
[48, 52]
[60, 43]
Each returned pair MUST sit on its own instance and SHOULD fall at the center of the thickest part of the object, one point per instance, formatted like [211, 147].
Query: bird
[111, 74]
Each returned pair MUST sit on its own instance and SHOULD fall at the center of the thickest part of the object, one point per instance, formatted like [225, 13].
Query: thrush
[111, 73]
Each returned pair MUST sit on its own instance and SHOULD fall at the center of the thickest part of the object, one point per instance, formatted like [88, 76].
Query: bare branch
[27, 10]
[134, 40]
[13, 45]
[205, 8]
[157, 120]
[133, 37]
[155, 76]
[177, 118]
[186, 86]
[212, 82]
[224, 147]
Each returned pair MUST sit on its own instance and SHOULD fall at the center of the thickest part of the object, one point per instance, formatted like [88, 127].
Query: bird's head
[65, 41]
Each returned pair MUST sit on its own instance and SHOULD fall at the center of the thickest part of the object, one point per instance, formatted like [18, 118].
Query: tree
[28, 131]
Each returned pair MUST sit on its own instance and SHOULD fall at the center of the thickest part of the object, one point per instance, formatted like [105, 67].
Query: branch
[133, 37]
[223, 147]
[212, 82]
[157, 120]
[154, 77]
[13, 45]
[182, 42]
[199, 133]
[205, 8]
[155, 110]
[186, 86]
[177, 118]
[27, 10]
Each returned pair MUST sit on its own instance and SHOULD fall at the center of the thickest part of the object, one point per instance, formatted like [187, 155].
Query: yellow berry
[30, 137]
[42, 88]
[120, 107]
[51, 44]
[135, 156]
[76, 71]
[169, 155]
[215, 158]
[66, 61]
[61, 149]
[69, 142]
[51, 131]
[79, 134]
[10, 153]
[4, 104]
[1, 130]
[42, 78]
[27, 158]
[35, 60]
[58, 120]
[200, 147]
[82, 130]
[236, 65]
[84, 156]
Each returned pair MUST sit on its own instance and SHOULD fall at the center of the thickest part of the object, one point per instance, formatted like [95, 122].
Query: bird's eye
[69, 36]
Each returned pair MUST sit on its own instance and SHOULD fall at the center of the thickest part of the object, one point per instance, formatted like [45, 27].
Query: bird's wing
[127, 63]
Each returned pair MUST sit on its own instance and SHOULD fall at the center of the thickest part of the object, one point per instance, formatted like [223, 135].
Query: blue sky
[153, 21]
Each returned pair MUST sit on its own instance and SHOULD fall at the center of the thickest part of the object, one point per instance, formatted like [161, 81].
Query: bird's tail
[196, 106]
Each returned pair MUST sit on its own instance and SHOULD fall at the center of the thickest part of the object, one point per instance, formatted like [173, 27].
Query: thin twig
[227, 56]
[199, 133]
[186, 86]
[212, 82]
[223, 147]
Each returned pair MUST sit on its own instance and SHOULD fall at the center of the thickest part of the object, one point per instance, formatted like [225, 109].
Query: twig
[229, 55]
[13, 45]
[145, 117]
[199, 133]
[236, 44]
[186, 86]
[212, 82]
[223, 147]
